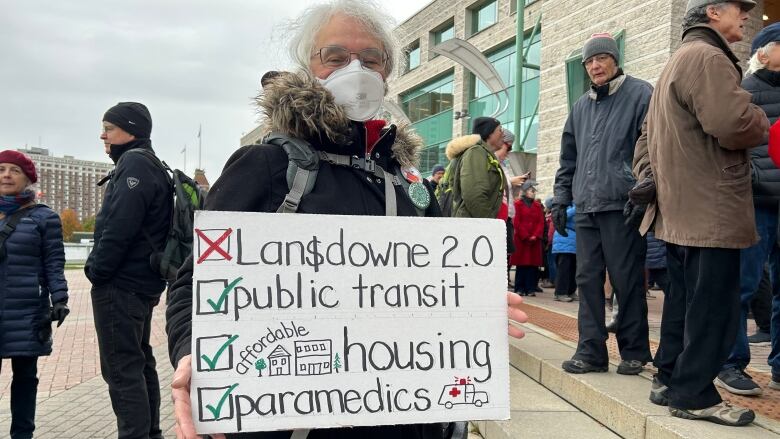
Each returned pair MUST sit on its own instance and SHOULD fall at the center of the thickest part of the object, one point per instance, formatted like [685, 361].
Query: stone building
[441, 98]
[69, 183]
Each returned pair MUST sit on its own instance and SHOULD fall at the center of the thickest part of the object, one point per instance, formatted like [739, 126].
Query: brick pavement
[72, 397]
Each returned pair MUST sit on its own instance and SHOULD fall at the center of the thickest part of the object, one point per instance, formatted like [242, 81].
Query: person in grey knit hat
[598, 44]
[597, 147]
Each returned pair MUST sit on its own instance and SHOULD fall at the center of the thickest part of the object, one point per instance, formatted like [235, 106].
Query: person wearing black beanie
[477, 182]
[485, 126]
[132, 224]
[131, 117]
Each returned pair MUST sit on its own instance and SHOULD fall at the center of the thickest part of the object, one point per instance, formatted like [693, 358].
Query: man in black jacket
[132, 222]
[597, 148]
[763, 82]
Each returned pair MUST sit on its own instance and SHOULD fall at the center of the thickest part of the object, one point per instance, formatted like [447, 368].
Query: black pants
[660, 276]
[761, 305]
[566, 276]
[24, 386]
[123, 321]
[526, 278]
[699, 325]
[605, 242]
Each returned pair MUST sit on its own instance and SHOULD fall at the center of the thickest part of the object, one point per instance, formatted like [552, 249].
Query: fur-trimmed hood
[297, 105]
[459, 145]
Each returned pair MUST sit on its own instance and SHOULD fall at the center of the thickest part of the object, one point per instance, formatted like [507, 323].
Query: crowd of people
[676, 185]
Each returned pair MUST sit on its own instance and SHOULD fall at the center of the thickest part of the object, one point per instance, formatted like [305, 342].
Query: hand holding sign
[182, 405]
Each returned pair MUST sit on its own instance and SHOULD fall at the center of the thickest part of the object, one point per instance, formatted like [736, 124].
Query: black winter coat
[138, 198]
[254, 180]
[764, 86]
[31, 276]
[597, 146]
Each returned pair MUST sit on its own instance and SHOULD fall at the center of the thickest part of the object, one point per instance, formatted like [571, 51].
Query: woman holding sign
[366, 167]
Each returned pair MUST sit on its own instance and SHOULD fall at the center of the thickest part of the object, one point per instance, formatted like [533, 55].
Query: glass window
[444, 34]
[484, 103]
[484, 16]
[429, 107]
[413, 56]
[429, 99]
[577, 80]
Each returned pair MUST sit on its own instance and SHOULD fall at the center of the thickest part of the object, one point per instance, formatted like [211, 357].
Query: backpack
[304, 164]
[447, 194]
[187, 198]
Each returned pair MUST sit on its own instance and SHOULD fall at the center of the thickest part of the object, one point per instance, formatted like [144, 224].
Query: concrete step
[616, 401]
[539, 413]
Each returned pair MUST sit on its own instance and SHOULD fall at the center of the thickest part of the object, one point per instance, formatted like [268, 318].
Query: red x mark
[214, 245]
[455, 392]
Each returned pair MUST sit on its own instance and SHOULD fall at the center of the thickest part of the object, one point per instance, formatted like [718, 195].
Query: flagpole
[200, 145]
[185, 158]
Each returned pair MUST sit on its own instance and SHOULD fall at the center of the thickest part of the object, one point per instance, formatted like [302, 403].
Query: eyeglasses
[336, 57]
[600, 58]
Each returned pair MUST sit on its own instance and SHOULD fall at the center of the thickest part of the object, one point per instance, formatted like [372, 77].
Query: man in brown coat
[693, 170]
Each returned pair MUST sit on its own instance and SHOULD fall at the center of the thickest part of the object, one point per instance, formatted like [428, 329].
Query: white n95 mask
[358, 90]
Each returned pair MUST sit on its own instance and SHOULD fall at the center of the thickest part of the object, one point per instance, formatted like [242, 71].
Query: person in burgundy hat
[31, 248]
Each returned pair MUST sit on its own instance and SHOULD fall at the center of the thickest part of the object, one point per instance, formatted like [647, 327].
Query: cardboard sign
[316, 321]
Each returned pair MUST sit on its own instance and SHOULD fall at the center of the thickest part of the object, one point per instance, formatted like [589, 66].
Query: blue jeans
[752, 262]
[552, 265]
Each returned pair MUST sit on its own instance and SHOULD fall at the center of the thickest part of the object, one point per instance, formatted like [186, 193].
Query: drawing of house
[313, 357]
[280, 362]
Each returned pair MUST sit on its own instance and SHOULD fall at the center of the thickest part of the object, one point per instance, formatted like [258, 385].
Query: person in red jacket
[529, 228]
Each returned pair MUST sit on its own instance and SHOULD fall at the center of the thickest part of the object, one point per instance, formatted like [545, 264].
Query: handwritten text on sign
[307, 321]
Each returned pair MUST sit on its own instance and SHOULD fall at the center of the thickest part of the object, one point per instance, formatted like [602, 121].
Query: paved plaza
[73, 399]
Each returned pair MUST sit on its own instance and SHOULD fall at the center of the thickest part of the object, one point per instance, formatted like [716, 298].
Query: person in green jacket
[477, 180]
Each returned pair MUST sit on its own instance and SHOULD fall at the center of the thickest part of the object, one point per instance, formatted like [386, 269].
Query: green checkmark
[222, 297]
[213, 363]
[215, 410]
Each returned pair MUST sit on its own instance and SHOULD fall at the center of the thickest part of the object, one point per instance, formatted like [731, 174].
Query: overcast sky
[64, 63]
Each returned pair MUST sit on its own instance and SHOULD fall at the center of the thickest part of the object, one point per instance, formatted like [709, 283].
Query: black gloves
[559, 219]
[634, 214]
[59, 312]
[642, 194]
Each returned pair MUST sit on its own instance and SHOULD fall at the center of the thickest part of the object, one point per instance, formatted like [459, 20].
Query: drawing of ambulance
[462, 393]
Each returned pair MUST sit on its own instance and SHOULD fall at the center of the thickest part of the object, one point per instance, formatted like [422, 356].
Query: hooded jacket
[695, 145]
[479, 186]
[31, 277]
[138, 199]
[597, 145]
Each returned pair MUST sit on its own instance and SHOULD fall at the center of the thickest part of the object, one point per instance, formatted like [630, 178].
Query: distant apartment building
[69, 183]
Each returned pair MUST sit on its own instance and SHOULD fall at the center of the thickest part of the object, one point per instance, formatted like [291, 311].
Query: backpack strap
[369, 166]
[301, 170]
[11, 224]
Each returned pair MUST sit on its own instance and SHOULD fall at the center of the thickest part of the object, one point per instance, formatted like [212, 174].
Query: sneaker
[774, 383]
[563, 298]
[659, 392]
[737, 382]
[723, 413]
[612, 327]
[630, 367]
[579, 366]
[547, 284]
[574, 297]
[538, 290]
[760, 338]
[531, 294]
